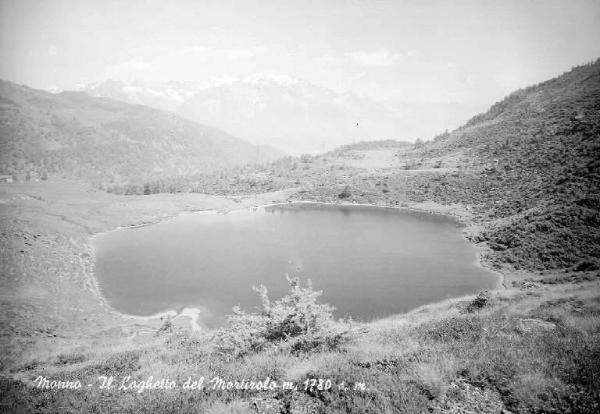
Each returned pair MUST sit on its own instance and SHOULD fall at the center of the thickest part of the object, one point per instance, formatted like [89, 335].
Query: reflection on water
[369, 262]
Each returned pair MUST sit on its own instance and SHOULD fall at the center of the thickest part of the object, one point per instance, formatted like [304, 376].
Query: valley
[523, 178]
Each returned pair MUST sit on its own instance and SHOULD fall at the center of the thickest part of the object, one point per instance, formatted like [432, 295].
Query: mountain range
[288, 113]
[107, 141]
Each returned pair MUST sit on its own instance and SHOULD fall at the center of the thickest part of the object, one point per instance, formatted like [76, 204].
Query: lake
[370, 262]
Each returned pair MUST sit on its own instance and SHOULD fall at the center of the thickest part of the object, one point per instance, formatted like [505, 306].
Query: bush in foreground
[296, 322]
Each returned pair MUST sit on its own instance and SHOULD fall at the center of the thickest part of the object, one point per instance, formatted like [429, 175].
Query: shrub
[71, 358]
[479, 302]
[296, 321]
[126, 362]
[469, 329]
[346, 193]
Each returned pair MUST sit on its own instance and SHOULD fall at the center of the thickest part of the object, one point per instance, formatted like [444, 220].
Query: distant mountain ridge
[289, 113]
[104, 140]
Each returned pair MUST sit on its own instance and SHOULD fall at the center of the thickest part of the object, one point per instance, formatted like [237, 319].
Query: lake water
[370, 262]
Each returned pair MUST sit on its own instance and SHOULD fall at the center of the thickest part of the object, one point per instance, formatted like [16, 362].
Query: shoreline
[194, 314]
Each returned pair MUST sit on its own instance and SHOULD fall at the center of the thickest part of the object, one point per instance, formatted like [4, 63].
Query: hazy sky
[469, 51]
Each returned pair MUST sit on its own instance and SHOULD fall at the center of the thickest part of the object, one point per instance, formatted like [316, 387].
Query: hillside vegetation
[538, 184]
[99, 140]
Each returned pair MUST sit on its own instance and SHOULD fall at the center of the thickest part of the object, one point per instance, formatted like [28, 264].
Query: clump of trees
[297, 322]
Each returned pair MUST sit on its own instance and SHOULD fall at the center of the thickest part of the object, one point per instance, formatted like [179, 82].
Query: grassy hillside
[538, 184]
[104, 141]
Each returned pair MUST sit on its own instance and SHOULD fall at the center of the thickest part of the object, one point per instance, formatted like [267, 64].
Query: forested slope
[101, 140]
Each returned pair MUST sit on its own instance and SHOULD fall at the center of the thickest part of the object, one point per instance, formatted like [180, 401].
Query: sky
[471, 52]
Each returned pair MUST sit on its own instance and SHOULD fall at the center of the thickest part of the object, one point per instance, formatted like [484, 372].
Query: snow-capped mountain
[167, 95]
[284, 112]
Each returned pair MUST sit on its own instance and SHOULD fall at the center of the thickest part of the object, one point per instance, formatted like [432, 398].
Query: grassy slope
[532, 347]
[75, 135]
[540, 184]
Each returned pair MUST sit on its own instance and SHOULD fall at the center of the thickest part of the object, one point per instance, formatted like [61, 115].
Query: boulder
[534, 326]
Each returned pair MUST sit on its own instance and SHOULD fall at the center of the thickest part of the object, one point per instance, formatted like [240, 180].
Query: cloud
[377, 58]
[328, 60]
[230, 54]
[195, 50]
[381, 57]
[244, 53]
[52, 50]
[127, 69]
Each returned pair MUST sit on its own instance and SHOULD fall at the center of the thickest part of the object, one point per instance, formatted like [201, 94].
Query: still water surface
[370, 262]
